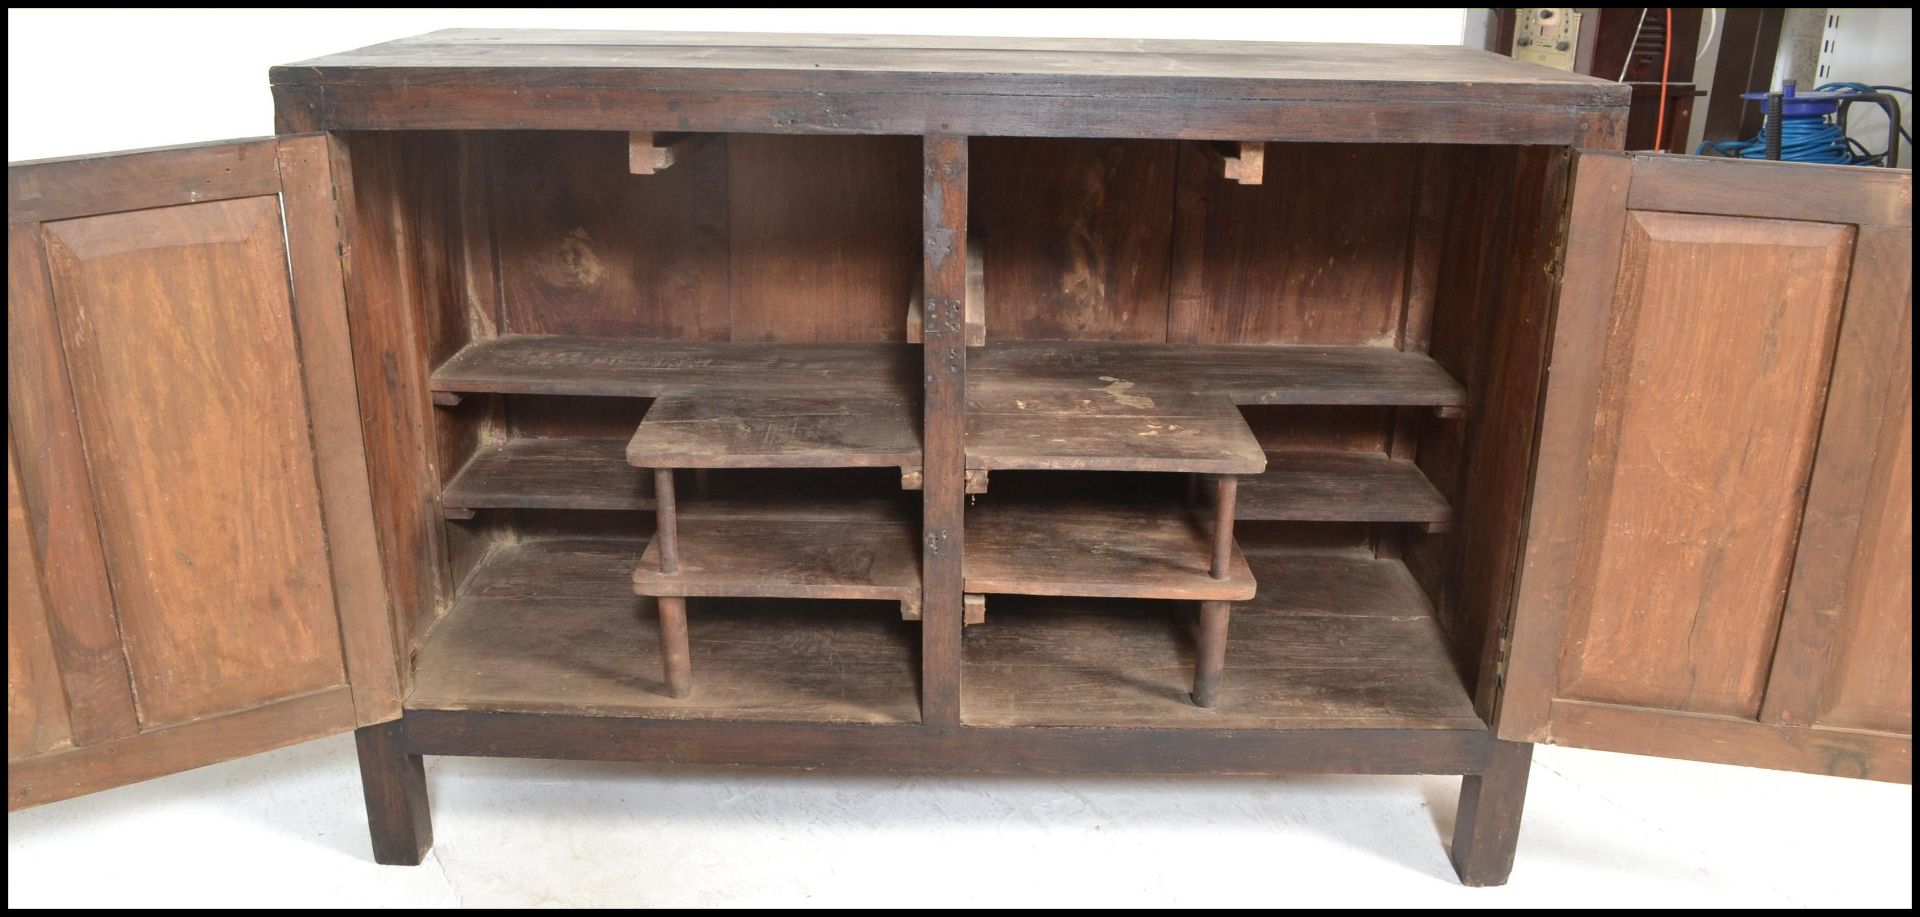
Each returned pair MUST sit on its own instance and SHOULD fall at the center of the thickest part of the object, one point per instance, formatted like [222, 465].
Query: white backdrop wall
[94, 81]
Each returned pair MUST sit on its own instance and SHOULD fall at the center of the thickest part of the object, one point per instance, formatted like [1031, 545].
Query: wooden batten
[649, 152]
[1243, 161]
[973, 608]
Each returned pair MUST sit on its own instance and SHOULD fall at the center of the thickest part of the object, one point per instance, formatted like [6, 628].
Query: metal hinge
[1504, 650]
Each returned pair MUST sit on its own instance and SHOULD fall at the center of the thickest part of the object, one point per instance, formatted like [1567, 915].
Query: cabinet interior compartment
[1356, 340]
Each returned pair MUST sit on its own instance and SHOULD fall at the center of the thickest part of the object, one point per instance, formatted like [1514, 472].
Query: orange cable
[1666, 66]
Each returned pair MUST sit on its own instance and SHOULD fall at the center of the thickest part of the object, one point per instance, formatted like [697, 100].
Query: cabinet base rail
[1487, 828]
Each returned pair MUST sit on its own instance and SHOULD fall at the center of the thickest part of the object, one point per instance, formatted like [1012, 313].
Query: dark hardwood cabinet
[954, 405]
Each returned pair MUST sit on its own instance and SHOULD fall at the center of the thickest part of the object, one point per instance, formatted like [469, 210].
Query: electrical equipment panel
[1549, 36]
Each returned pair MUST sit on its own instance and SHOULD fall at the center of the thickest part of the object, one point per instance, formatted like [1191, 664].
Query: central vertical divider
[943, 433]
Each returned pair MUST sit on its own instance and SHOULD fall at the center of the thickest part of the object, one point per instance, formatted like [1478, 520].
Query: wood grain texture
[1869, 684]
[1108, 424]
[1332, 641]
[212, 509]
[1321, 261]
[397, 285]
[167, 750]
[37, 717]
[1821, 194]
[586, 248]
[821, 236]
[826, 427]
[528, 473]
[1245, 374]
[1076, 235]
[340, 458]
[1734, 740]
[1595, 237]
[59, 501]
[567, 365]
[1871, 376]
[1689, 539]
[1486, 831]
[552, 626]
[1150, 551]
[826, 550]
[1340, 487]
[58, 189]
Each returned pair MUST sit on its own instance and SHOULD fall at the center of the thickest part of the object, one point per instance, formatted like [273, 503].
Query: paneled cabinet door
[191, 570]
[1719, 545]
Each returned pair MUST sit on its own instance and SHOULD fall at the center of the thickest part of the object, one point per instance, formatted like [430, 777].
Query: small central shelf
[814, 429]
[844, 550]
[1152, 550]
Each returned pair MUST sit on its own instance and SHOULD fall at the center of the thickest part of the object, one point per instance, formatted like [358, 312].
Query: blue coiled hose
[1809, 139]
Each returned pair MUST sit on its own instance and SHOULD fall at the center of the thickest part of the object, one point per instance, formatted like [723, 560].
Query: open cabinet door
[191, 567]
[1719, 544]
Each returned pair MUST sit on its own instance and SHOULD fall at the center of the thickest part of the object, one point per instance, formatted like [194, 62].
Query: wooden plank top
[1046, 66]
[527, 473]
[535, 78]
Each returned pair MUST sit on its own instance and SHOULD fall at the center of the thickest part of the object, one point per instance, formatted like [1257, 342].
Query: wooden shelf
[1133, 550]
[549, 474]
[1031, 428]
[778, 429]
[1340, 487]
[843, 550]
[534, 364]
[1244, 374]
[1332, 641]
[553, 626]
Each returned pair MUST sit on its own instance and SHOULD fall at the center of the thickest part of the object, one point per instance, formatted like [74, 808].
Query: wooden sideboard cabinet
[954, 405]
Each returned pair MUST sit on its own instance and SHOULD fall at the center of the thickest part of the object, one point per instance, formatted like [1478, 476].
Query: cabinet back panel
[1077, 236]
[1679, 593]
[1315, 254]
[204, 474]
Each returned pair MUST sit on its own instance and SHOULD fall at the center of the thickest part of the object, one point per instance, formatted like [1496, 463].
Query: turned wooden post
[666, 523]
[676, 657]
[1212, 653]
[1226, 491]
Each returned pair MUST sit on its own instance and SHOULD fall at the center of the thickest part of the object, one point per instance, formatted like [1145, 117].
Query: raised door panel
[192, 569]
[1718, 540]
[177, 325]
[1712, 394]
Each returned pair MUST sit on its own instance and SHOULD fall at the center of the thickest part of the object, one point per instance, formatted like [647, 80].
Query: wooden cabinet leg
[1213, 652]
[675, 656]
[395, 784]
[1487, 830]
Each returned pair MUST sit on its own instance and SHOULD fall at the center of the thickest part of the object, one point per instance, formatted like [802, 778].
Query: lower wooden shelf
[526, 473]
[1340, 487]
[552, 626]
[840, 550]
[1155, 550]
[1332, 641]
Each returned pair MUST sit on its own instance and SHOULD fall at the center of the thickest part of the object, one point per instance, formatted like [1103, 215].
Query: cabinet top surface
[1048, 66]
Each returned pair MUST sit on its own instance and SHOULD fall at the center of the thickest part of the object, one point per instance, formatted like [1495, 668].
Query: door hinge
[1500, 656]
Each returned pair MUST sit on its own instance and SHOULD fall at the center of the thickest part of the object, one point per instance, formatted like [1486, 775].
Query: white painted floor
[1601, 830]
